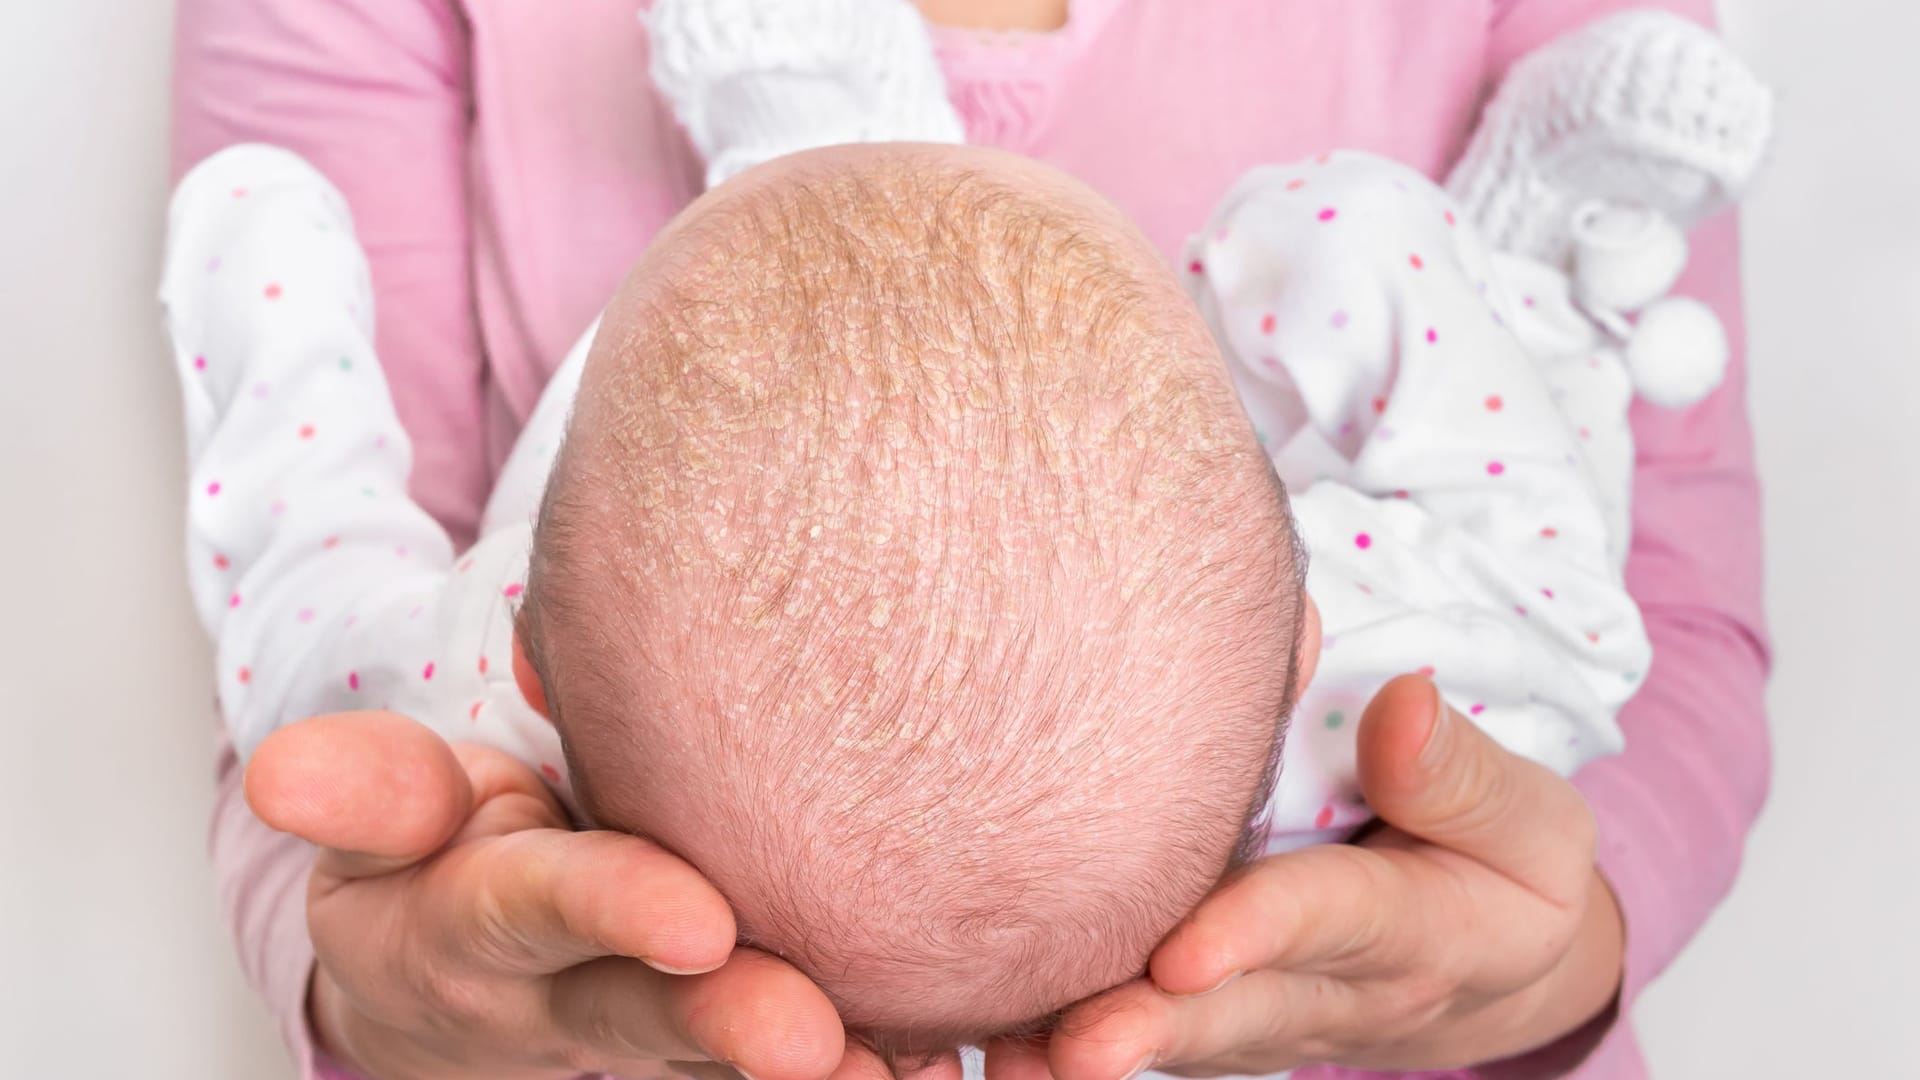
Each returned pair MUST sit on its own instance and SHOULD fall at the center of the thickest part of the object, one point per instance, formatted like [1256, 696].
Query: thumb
[378, 791]
[1432, 773]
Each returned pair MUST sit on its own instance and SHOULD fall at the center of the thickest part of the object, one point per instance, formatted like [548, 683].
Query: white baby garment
[324, 586]
[1458, 522]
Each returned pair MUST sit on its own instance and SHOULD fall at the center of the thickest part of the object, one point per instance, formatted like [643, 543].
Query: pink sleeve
[262, 879]
[1674, 810]
[373, 92]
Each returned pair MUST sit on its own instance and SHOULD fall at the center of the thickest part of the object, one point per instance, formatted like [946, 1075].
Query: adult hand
[1473, 927]
[461, 930]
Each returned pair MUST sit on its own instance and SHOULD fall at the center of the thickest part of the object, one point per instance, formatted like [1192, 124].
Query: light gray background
[112, 962]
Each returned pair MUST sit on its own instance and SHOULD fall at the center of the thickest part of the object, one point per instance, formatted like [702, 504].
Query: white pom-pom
[1625, 257]
[1678, 353]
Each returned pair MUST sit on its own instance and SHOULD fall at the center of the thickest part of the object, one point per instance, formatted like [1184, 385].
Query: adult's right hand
[461, 929]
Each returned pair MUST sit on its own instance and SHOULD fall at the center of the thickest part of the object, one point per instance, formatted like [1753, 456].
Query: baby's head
[912, 571]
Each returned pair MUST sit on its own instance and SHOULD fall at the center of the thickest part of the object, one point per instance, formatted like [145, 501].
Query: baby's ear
[525, 677]
[1309, 646]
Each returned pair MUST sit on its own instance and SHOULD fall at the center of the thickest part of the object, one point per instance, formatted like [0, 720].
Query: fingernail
[1440, 736]
[1211, 989]
[665, 970]
[1145, 1064]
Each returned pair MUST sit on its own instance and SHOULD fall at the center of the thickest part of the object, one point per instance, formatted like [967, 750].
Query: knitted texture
[1641, 108]
[753, 80]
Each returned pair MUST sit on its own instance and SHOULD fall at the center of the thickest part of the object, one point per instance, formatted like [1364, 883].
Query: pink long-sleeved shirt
[507, 162]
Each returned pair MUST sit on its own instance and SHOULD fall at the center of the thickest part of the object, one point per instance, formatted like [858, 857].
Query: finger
[1332, 909]
[540, 901]
[858, 1062]
[945, 1067]
[378, 790]
[1018, 1059]
[756, 1013]
[508, 797]
[1431, 772]
[1265, 1022]
[614, 1012]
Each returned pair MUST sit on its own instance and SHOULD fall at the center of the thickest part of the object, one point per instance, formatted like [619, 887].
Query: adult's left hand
[1471, 928]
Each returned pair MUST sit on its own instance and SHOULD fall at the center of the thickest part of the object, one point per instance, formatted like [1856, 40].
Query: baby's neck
[1035, 15]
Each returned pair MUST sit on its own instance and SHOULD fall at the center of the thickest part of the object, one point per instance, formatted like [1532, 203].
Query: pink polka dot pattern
[1433, 336]
[513, 590]
[221, 562]
[1495, 403]
[1268, 323]
[273, 291]
[199, 363]
[213, 488]
[1495, 468]
[1329, 214]
[1324, 818]
[1416, 262]
[233, 601]
[427, 672]
[1340, 320]
[1363, 541]
[353, 680]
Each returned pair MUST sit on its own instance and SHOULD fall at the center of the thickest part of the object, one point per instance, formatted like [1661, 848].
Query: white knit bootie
[1643, 108]
[753, 80]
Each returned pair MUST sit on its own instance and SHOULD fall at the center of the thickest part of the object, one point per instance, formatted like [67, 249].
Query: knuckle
[580, 1055]
[453, 1001]
[1414, 1003]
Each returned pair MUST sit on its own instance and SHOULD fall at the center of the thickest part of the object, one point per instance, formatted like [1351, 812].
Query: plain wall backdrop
[112, 959]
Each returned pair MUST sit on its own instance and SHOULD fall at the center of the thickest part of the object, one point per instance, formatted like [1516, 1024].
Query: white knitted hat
[1642, 108]
[753, 80]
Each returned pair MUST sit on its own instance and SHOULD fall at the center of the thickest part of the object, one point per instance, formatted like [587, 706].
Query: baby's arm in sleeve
[1453, 523]
[301, 536]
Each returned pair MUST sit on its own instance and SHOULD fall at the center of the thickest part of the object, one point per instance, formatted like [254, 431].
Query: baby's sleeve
[299, 524]
[1454, 523]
